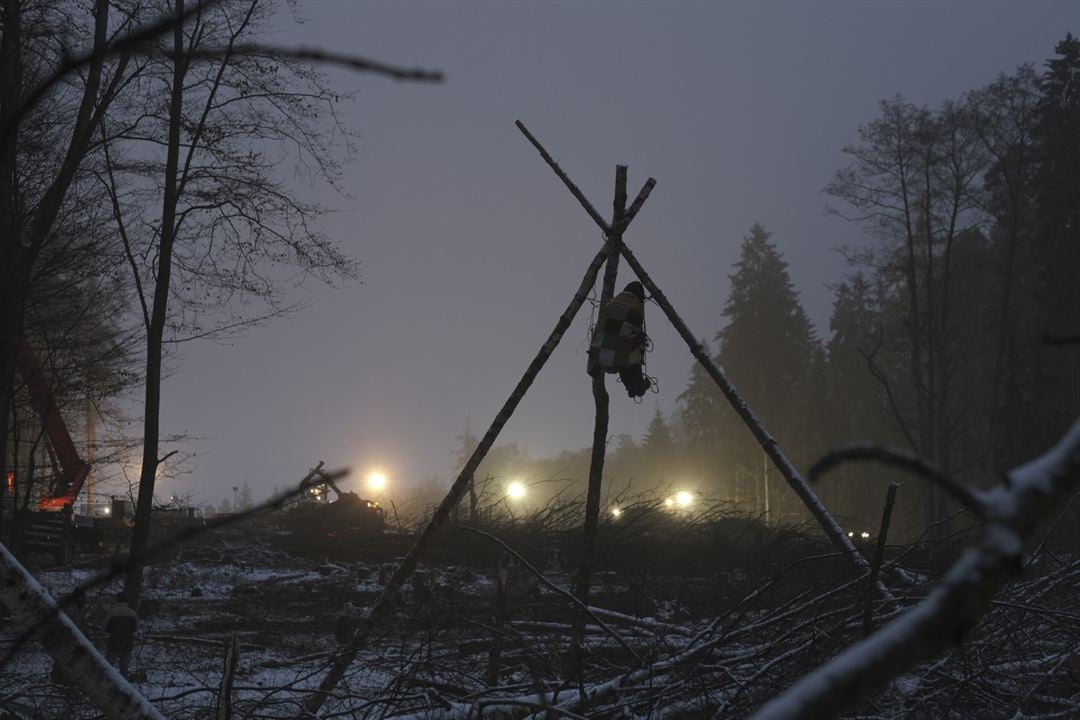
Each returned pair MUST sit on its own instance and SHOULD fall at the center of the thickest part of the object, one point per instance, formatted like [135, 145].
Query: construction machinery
[50, 524]
[314, 520]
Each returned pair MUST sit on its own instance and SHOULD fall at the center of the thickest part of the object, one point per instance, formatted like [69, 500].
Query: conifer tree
[769, 351]
[658, 448]
[699, 412]
[1057, 134]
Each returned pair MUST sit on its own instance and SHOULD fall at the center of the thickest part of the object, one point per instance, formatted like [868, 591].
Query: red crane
[53, 527]
[73, 469]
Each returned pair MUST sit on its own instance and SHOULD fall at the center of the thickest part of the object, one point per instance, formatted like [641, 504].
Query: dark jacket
[619, 336]
[120, 624]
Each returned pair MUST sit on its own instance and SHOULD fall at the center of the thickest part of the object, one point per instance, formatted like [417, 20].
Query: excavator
[313, 522]
[52, 526]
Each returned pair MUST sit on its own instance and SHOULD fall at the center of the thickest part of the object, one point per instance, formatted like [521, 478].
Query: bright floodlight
[865, 535]
[669, 502]
[515, 490]
[684, 499]
[616, 512]
[376, 481]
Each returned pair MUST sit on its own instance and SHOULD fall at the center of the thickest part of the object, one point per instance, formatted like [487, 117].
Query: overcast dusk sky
[472, 248]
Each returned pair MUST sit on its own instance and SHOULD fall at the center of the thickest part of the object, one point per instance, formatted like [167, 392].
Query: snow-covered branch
[1011, 511]
[82, 663]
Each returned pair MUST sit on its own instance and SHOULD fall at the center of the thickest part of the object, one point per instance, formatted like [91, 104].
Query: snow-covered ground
[708, 644]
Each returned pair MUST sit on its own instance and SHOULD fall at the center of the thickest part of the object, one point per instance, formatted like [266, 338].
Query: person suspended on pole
[619, 342]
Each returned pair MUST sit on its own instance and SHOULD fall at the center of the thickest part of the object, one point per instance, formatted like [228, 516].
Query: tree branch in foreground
[905, 460]
[140, 42]
[82, 663]
[1011, 512]
[119, 566]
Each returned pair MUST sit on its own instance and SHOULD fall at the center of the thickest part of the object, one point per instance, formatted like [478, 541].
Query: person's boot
[636, 385]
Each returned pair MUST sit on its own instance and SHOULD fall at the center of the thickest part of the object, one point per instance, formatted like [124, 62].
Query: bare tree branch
[83, 664]
[324, 57]
[1013, 511]
[140, 42]
[904, 459]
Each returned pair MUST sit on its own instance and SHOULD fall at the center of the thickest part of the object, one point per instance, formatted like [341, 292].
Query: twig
[324, 57]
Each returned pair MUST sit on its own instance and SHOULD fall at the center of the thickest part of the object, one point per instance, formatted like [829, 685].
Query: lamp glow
[515, 490]
[684, 499]
[376, 481]
[616, 512]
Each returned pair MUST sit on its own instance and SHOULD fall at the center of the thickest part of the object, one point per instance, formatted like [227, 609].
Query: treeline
[955, 333]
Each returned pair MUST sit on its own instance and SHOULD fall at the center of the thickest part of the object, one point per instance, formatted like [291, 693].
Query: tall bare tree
[212, 234]
[915, 180]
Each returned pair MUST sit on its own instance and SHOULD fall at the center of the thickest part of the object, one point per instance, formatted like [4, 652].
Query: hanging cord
[594, 309]
[646, 348]
[590, 326]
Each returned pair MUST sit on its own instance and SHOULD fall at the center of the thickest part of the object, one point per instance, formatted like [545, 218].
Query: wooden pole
[382, 604]
[879, 553]
[600, 427]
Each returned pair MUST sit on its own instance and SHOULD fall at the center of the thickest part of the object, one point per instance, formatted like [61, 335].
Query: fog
[471, 247]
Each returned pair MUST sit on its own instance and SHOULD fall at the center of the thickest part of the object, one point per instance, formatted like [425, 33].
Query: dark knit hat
[635, 288]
